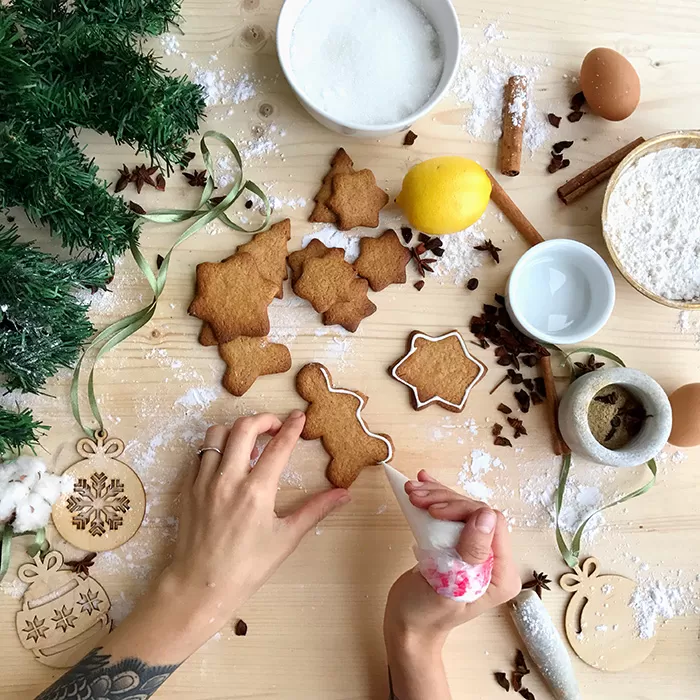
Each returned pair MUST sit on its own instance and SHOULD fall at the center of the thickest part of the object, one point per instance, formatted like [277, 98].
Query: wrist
[412, 644]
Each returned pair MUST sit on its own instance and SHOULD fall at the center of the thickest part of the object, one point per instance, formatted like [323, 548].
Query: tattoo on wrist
[392, 695]
[96, 678]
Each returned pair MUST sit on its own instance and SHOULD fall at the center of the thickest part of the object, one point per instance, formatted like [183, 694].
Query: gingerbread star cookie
[356, 200]
[269, 250]
[340, 165]
[334, 416]
[232, 297]
[325, 281]
[315, 249]
[249, 358]
[438, 370]
[382, 261]
[350, 313]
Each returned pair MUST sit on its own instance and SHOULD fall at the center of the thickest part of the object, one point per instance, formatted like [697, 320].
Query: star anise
[539, 582]
[141, 175]
[160, 182]
[517, 426]
[490, 248]
[423, 264]
[124, 178]
[82, 566]
[581, 368]
[197, 179]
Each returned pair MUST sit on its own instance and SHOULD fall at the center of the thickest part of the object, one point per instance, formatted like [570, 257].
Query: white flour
[480, 81]
[474, 468]
[460, 259]
[332, 238]
[654, 222]
[365, 62]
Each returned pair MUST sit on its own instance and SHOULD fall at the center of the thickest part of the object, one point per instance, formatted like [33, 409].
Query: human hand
[413, 608]
[230, 540]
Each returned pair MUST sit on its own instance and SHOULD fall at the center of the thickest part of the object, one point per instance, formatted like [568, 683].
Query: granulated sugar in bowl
[651, 219]
[368, 67]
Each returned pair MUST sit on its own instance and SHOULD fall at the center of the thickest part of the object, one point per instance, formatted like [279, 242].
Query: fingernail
[420, 494]
[415, 484]
[439, 505]
[486, 521]
[296, 414]
[343, 500]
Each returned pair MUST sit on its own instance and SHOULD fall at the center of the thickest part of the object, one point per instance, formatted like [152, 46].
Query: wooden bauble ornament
[64, 615]
[108, 502]
[600, 624]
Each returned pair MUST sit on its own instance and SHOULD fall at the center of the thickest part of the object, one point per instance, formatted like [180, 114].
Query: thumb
[474, 544]
[314, 511]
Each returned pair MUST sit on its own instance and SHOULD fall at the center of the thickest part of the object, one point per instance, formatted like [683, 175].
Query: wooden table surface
[315, 629]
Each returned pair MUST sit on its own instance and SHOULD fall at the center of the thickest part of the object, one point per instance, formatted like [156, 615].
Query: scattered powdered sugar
[331, 237]
[264, 141]
[656, 600]
[460, 259]
[198, 398]
[689, 324]
[171, 45]
[480, 82]
[449, 427]
[653, 222]
[336, 351]
[289, 317]
[492, 32]
[473, 469]
[222, 88]
[15, 588]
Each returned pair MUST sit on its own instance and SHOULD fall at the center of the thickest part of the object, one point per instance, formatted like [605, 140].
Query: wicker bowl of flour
[651, 219]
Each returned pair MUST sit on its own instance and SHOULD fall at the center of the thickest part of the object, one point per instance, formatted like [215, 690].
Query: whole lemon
[444, 195]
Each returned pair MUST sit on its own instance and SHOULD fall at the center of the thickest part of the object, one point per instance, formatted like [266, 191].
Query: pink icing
[453, 578]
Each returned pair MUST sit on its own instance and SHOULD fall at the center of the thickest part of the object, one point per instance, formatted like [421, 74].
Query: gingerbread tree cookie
[233, 296]
[249, 358]
[269, 250]
[334, 417]
[438, 370]
[340, 165]
[357, 200]
[382, 260]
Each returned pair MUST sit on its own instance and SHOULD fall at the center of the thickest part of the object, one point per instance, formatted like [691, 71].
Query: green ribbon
[572, 552]
[6, 534]
[204, 213]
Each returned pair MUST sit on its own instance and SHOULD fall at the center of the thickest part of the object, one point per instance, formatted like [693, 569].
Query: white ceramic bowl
[441, 14]
[560, 292]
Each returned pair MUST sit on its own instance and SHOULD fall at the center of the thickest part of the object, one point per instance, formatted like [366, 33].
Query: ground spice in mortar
[615, 416]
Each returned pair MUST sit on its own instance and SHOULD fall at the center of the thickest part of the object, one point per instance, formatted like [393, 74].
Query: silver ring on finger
[202, 450]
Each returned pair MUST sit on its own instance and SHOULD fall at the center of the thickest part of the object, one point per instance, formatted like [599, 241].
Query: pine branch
[42, 325]
[149, 17]
[45, 172]
[17, 430]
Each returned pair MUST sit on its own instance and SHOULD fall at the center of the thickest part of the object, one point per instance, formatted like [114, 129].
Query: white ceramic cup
[560, 292]
[443, 17]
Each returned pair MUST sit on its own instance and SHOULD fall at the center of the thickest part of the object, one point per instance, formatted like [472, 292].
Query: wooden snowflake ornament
[108, 502]
[64, 615]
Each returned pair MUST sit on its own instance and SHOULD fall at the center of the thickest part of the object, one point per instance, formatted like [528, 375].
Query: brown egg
[610, 84]
[685, 403]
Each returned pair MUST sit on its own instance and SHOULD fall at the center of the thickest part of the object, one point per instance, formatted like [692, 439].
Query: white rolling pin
[544, 645]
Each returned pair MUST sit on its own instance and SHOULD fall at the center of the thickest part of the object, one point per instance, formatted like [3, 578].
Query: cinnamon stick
[512, 213]
[560, 447]
[600, 172]
[514, 113]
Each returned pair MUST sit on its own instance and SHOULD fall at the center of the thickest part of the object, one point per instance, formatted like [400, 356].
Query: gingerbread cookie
[325, 281]
[334, 416]
[340, 165]
[269, 250]
[356, 200]
[206, 336]
[348, 314]
[249, 358]
[315, 249]
[438, 370]
[382, 261]
[233, 296]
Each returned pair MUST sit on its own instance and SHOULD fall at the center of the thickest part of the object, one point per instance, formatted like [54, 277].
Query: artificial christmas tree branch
[17, 430]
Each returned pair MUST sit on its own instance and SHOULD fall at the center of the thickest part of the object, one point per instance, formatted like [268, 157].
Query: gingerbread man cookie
[438, 370]
[334, 417]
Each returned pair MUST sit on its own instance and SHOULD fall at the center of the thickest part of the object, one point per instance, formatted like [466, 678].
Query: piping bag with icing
[436, 542]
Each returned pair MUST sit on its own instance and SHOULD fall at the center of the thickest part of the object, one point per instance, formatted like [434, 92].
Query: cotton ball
[32, 514]
[11, 494]
[50, 487]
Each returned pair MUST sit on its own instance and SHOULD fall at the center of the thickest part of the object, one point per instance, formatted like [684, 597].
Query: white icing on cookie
[363, 425]
[433, 399]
